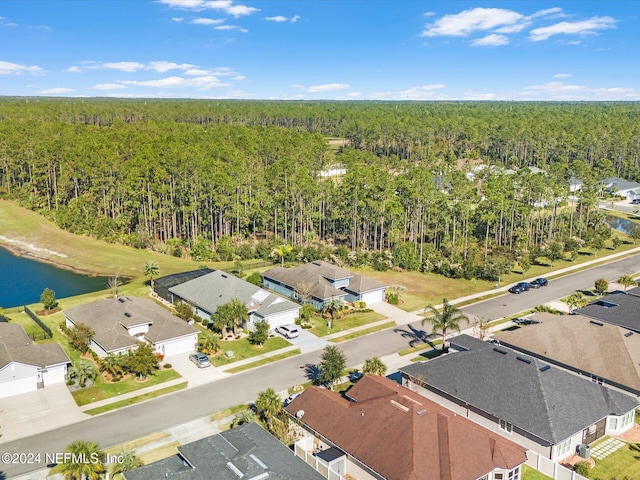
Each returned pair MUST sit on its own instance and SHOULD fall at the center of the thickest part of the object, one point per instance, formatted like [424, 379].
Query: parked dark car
[539, 282]
[517, 289]
[524, 321]
[525, 286]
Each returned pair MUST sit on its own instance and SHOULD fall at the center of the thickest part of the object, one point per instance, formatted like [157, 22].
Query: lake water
[621, 224]
[23, 279]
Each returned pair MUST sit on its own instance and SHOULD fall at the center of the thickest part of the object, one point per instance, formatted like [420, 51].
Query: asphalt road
[161, 413]
[510, 303]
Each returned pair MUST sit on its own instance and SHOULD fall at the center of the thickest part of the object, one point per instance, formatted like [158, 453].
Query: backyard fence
[551, 469]
[36, 319]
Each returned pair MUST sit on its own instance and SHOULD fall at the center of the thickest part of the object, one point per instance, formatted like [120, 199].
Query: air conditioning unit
[584, 451]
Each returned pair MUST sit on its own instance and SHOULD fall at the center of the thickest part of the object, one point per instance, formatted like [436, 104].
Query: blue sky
[307, 49]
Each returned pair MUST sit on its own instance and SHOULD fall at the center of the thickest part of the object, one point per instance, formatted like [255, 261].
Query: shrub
[582, 468]
[167, 365]
[392, 298]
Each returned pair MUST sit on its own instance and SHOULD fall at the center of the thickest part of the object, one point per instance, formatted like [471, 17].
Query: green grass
[264, 361]
[419, 348]
[361, 333]
[320, 328]
[243, 349]
[228, 412]
[621, 463]
[136, 399]
[529, 473]
[102, 390]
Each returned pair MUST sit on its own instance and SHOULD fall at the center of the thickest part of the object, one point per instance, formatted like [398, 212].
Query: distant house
[615, 308]
[606, 354]
[326, 281]
[246, 452]
[381, 430]
[207, 292]
[620, 187]
[26, 366]
[575, 184]
[537, 405]
[119, 323]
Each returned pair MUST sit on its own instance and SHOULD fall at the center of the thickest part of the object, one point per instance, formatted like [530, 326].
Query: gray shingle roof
[109, 317]
[214, 289]
[318, 274]
[16, 346]
[605, 350]
[616, 308]
[619, 183]
[248, 449]
[550, 403]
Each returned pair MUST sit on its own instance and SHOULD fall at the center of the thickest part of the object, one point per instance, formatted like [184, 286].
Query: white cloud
[518, 27]
[207, 21]
[327, 87]
[55, 91]
[9, 68]
[124, 66]
[74, 69]
[224, 5]
[423, 92]
[240, 10]
[563, 91]
[492, 40]
[231, 27]
[469, 21]
[555, 12]
[562, 75]
[428, 14]
[471, 95]
[240, 77]
[163, 66]
[203, 83]
[189, 4]
[177, 19]
[354, 94]
[280, 19]
[584, 27]
[108, 86]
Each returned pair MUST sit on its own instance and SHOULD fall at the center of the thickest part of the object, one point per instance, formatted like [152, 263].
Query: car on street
[288, 331]
[524, 321]
[200, 360]
[520, 287]
[539, 282]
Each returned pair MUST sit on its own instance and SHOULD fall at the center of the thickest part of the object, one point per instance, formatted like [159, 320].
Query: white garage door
[179, 346]
[18, 386]
[373, 297]
[283, 318]
[54, 375]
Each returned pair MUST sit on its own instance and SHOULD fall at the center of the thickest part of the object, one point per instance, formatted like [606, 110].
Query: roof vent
[399, 406]
[127, 314]
[605, 304]
[224, 276]
[628, 334]
[600, 324]
[121, 300]
[544, 368]
[258, 461]
[500, 350]
[422, 411]
[523, 359]
[317, 262]
[235, 470]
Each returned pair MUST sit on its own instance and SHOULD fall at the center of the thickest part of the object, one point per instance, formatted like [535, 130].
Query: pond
[23, 279]
[621, 224]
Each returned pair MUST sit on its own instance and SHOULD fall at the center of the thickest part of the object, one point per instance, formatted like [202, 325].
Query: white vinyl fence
[551, 469]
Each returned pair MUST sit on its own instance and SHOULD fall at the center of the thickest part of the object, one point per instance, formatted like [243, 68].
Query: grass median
[136, 399]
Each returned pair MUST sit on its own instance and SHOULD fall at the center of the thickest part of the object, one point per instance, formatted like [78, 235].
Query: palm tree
[627, 281]
[113, 364]
[441, 321]
[127, 461]
[151, 270]
[282, 251]
[86, 461]
[576, 300]
[269, 404]
[208, 343]
[83, 371]
[374, 366]
[245, 416]
[333, 307]
[238, 313]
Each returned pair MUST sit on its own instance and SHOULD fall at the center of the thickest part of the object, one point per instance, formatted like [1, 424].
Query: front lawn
[623, 463]
[320, 328]
[243, 349]
[101, 389]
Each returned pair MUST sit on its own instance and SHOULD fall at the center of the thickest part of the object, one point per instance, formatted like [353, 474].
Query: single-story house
[119, 323]
[539, 406]
[26, 366]
[162, 285]
[207, 292]
[382, 430]
[606, 354]
[246, 452]
[615, 308]
[324, 282]
[620, 187]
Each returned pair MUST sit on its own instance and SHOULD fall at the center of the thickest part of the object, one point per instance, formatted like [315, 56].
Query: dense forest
[432, 186]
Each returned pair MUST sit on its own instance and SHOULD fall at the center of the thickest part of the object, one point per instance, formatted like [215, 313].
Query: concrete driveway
[45, 409]
[307, 341]
[194, 375]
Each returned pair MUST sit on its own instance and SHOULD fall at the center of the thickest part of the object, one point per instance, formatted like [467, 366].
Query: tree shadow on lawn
[416, 337]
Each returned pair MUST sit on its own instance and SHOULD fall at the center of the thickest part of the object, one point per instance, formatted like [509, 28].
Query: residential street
[171, 410]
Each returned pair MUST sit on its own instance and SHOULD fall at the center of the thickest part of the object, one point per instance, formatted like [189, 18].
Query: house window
[514, 474]
[498, 476]
[626, 419]
[506, 426]
[613, 423]
[563, 448]
[598, 380]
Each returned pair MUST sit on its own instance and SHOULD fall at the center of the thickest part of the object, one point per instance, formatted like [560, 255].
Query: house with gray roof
[26, 366]
[246, 452]
[535, 404]
[323, 281]
[120, 323]
[616, 308]
[620, 187]
[602, 352]
[207, 292]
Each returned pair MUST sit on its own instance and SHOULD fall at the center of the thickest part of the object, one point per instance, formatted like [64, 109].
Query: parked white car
[288, 331]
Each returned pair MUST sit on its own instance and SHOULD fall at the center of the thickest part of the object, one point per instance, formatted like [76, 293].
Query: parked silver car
[200, 359]
[288, 331]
